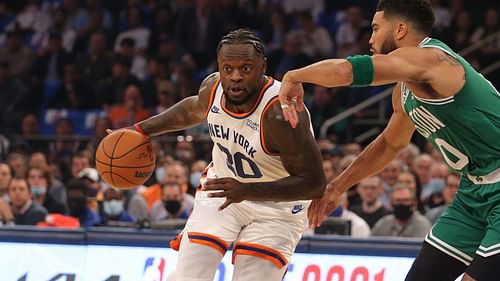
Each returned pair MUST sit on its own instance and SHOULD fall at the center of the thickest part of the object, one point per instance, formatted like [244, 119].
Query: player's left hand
[321, 208]
[233, 190]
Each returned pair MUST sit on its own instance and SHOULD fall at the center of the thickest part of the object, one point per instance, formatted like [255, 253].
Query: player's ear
[264, 65]
[401, 30]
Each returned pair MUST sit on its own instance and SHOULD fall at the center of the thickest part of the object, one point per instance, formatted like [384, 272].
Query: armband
[362, 70]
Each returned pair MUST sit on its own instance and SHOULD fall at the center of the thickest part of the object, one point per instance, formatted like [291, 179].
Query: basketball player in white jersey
[256, 191]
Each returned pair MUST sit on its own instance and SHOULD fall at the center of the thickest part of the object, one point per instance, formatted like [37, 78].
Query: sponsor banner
[50, 262]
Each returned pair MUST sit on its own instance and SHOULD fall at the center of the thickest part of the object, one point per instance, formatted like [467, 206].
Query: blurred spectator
[139, 64]
[77, 204]
[408, 155]
[18, 162]
[38, 158]
[99, 21]
[15, 95]
[6, 175]
[130, 111]
[157, 83]
[443, 17]
[197, 32]
[63, 148]
[163, 28]
[348, 32]
[50, 64]
[371, 208]
[275, 30]
[315, 40]
[5, 16]
[330, 172]
[101, 124]
[439, 171]
[422, 166]
[25, 210]
[77, 17]
[491, 51]
[449, 192]
[173, 203]
[165, 97]
[136, 30]
[184, 150]
[112, 208]
[95, 67]
[40, 182]
[287, 58]
[68, 34]
[16, 54]
[404, 222]
[233, 15]
[30, 128]
[113, 88]
[359, 227]
[459, 34]
[323, 107]
[389, 176]
[79, 161]
[352, 148]
[57, 190]
[95, 195]
[32, 18]
[73, 93]
[410, 179]
[174, 172]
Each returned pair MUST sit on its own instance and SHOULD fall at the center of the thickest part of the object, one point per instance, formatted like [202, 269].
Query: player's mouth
[236, 91]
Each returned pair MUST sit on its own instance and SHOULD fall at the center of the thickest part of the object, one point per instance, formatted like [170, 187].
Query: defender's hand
[291, 98]
[320, 209]
[233, 190]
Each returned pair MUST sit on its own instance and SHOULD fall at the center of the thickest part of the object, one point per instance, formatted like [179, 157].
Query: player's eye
[226, 68]
[247, 68]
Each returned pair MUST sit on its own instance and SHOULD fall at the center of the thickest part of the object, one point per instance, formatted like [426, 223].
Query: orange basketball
[125, 159]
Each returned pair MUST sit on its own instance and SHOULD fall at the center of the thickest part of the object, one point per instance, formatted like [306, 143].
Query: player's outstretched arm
[299, 155]
[408, 63]
[372, 160]
[184, 114]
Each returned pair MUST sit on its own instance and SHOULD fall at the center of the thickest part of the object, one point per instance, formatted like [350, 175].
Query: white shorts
[262, 229]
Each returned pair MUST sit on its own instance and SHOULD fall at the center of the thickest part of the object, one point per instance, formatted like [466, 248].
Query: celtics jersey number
[460, 161]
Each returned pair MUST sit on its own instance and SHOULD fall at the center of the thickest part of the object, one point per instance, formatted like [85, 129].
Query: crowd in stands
[129, 60]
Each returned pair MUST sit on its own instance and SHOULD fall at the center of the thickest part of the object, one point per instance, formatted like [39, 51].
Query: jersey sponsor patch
[214, 109]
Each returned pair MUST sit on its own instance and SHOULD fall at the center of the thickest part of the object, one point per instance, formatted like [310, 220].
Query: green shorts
[471, 225]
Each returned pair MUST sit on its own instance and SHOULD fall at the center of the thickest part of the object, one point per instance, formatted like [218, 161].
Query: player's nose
[236, 76]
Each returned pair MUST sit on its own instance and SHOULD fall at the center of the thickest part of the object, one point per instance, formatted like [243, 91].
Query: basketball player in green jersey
[442, 97]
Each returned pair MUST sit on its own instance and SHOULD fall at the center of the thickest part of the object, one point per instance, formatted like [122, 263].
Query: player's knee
[251, 268]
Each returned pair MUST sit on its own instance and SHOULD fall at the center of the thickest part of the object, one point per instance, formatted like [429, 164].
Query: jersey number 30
[236, 164]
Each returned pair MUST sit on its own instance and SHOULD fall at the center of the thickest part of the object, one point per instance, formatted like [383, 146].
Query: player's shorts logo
[297, 208]
[214, 109]
[154, 268]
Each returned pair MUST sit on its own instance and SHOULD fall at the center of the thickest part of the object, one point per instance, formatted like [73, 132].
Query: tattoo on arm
[443, 57]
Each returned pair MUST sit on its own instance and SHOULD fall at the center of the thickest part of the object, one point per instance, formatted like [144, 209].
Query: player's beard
[388, 46]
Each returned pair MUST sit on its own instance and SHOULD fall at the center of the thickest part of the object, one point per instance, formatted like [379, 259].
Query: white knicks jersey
[239, 150]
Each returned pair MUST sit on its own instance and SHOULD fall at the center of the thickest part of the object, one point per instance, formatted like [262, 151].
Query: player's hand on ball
[321, 208]
[233, 190]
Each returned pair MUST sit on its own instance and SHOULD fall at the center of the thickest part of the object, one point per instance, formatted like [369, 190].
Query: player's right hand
[321, 208]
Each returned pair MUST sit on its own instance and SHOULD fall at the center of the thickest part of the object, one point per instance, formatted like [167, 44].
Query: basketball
[125, 159]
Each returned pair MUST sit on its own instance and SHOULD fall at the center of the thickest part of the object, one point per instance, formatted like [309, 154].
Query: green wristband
[362, 70]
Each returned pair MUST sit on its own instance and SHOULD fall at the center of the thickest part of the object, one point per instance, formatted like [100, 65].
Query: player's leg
[450, 245]
[433, 264]
[205, 239]
[486, 263]
[251, 268]
[265, 246]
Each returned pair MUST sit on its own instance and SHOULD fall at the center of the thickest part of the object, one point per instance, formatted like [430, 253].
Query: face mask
[160, 174]
[402, 211]
[38, 190]
[172, 206]
[194, 178]
[77, 206]
[113, 207]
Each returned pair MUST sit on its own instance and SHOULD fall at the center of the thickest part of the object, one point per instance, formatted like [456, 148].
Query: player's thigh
[273, 240]
[458, 232]
[433, 264]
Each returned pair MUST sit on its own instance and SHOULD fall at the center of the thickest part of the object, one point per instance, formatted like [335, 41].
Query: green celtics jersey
[464, 128]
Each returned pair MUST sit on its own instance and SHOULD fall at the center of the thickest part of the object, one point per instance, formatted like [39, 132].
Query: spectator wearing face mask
[112, 208]
[174, 203]
[39, 180]
[77, 204]
[25, 210]
[405, 221]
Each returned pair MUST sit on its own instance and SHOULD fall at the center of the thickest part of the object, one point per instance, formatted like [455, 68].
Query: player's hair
[417, 12]
[242, 36]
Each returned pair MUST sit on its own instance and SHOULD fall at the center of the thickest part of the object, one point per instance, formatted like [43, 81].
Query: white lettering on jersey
[425, 122]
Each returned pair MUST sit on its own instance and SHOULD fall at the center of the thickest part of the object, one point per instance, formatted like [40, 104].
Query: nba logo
[153, 269]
